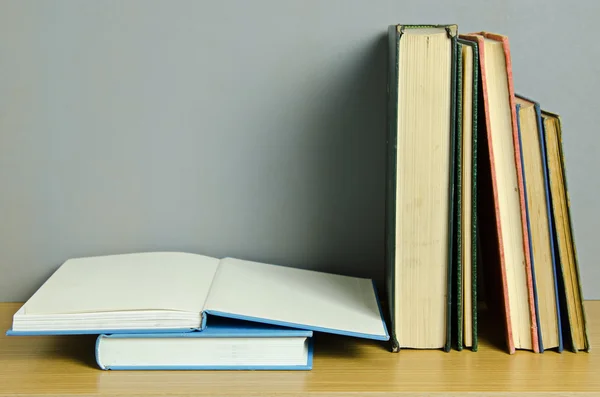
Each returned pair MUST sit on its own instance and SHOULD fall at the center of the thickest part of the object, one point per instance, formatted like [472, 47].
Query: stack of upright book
[476, 199]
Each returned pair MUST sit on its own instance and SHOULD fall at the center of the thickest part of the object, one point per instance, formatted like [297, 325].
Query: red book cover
[499, 263]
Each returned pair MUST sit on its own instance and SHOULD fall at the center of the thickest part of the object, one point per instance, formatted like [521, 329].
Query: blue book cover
[266, 321]
[540, 124]
[180, 352]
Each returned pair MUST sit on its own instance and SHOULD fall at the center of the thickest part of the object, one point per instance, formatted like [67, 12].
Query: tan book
[539, 221]
[570, 288]
[420, 162]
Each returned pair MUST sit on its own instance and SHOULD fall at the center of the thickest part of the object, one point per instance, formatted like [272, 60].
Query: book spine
[529, 241]
[540, 126]
[474, 230]
[521, 183]
[563, 170]
[457, 278]
[454, 190]
[97, 352]
[390, 202]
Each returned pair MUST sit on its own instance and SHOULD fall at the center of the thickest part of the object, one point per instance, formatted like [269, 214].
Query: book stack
[174, 310]
[477, 200]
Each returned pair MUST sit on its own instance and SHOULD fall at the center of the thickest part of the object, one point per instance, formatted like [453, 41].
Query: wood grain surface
[343, 366]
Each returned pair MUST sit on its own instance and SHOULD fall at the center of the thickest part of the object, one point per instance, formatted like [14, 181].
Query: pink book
[490, 223]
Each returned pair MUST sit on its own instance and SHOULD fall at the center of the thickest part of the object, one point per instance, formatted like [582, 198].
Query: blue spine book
[224, 345]
[539, 125]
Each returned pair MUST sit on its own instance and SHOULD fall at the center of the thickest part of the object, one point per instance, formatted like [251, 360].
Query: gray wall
[242, 128]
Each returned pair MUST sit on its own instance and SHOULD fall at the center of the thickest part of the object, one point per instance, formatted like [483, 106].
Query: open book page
[142, 281]
[305, 298]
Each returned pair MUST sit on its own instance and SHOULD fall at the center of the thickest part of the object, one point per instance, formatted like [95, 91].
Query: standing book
[569, 286]
[420, 184]
[501, 210]
[539, 219]
[465, 264]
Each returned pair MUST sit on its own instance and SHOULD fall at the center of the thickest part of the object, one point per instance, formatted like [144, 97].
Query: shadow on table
[339, 346]
[81, 348]
[77, 348]
[491, 329]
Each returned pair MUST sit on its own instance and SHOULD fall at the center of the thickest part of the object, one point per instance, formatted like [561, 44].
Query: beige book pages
[422, 189]
[505, 170]
[538, 223]
[563, 232]
[141, 281]
[467, 216]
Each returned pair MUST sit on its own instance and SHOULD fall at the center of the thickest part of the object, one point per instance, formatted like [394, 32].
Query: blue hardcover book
[223, 345]
[539, 222]
[158, 292]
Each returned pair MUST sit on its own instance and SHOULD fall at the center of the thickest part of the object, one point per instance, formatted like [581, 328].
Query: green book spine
[474, 226]
[390, 202]
[474, 220]
[457, 246]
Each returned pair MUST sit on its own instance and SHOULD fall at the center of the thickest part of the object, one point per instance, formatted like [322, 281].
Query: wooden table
[343, 366]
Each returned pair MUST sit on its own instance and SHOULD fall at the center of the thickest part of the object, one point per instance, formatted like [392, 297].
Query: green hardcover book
[457, 277]
[420, 184]
[466, 195]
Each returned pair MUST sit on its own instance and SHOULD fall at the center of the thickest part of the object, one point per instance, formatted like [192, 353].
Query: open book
[172, 291]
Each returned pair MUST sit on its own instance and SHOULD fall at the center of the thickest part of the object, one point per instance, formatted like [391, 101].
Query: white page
[305, 297]
[141, 281]
[186, 352]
